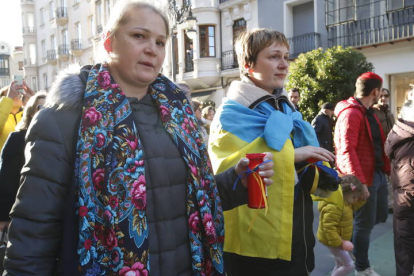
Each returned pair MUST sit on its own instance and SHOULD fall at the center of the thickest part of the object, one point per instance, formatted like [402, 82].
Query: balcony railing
[51, 55]
[29, 61]
[76, 44]
[303, 43]
[223, 1]
[189, 64]
[229, 60]
[395, 25]
[29, 30]
[63, 49]
[99, 29]
[61, 12]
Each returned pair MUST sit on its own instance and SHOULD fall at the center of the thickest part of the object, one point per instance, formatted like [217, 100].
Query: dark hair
[366, 83]
[295, 90]
[351, 184]
[329, 106]
[388, 91]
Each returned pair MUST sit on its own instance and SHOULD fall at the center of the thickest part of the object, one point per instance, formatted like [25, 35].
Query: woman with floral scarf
[117, 179]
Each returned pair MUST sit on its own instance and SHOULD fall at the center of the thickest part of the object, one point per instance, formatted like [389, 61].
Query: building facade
[57, 33]
[11, 63]
[381, 29]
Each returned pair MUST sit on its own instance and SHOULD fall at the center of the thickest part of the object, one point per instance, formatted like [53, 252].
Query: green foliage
[326, 76]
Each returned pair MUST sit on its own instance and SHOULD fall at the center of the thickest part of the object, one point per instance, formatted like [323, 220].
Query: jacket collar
[246, 93]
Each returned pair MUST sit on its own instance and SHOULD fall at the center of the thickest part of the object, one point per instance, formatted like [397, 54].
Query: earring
[107, 42]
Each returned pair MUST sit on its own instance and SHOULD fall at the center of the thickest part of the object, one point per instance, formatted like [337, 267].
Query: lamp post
[178, 17]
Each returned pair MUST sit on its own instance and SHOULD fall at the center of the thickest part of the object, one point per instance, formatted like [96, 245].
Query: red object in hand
[256, 200]
[312, 160]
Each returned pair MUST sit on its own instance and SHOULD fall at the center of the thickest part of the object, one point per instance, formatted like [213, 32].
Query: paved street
[381, 251]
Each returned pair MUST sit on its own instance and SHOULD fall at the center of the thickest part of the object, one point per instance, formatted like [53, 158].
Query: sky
[11, 22]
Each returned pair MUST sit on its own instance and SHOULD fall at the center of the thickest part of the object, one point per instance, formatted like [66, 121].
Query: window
[43, 48]
[30, 21]
[399, 4]
[91, 26]
[64, 37]
[20, 65]
[32, 54]
[51, 10]
[42, 19]
[34, 84]
[239, 27]
[207, 41]
[45, 86]
[78, 30]
[338, 11]
[52, 42]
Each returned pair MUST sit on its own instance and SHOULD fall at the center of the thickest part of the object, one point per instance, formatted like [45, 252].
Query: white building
[59, 32]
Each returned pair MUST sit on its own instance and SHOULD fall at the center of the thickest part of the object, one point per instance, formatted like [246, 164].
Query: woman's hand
[14, 90]
[320, 154]
[28, 90]
[265, 170]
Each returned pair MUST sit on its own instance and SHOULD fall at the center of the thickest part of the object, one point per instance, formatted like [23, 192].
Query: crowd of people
[117, 171]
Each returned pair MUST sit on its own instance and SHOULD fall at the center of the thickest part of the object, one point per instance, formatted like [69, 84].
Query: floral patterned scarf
[110, 176]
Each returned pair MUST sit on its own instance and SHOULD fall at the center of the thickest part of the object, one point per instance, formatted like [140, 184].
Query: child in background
[336, 223]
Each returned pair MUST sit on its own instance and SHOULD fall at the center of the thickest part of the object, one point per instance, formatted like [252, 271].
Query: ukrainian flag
[235, 131]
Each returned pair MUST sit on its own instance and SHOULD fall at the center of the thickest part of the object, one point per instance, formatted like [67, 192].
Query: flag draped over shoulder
[239, 130]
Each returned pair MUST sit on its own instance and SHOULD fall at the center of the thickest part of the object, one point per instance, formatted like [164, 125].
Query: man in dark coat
[323, 126]
[400, 149]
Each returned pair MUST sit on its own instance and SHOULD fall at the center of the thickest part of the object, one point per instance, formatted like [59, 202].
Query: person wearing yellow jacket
[256, 117]
[336, 222]
[11, 110]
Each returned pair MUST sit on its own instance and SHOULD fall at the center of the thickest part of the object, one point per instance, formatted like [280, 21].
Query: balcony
[303, 44]
[76, 47]
[30, 62]
[63, 52]
[387, 28]
[61, 16]
[4, 72]
[28, 31]
[99, 29]
[223, 1]
[189, 64]
[51, 57]
[229, 60]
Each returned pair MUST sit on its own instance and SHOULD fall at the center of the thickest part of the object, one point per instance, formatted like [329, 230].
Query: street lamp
[178, 17]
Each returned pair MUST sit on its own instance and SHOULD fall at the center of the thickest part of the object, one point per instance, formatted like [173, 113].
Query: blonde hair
[120, 14]
[249, 44]
[30, 110]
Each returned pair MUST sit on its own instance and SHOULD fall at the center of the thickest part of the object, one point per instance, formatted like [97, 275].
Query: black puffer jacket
[11, 163]
[43, 232]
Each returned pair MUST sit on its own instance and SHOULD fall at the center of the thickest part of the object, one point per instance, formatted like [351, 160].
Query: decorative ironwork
[393, 26]
[178, 12]
[223, 1]
[63, 49]
[229, 60]
[303, 43]
[76, 44]
[99, 29]
[61, 12]
[51, 55]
